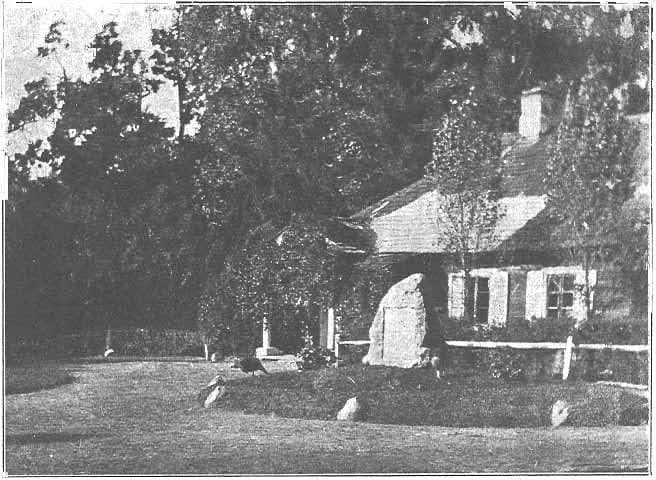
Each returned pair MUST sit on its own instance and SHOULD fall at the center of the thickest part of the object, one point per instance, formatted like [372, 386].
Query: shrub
[312, 358]
[615, 332]
[507, 364]
[141, 342]
[352, 354]
[627, 367]
[541, 330]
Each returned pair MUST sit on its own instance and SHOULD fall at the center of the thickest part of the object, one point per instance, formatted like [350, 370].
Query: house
[523, 271]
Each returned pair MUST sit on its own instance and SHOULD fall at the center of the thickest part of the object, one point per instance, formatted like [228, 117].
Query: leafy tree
[178, 60]
[117, 189]
[301, 119]
[591, 171]
[322, 110]
[552, 44]
[467, 170]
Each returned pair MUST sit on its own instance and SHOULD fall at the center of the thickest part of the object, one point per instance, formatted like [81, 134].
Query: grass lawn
[141, 418]
[30, 379]
[416, 397]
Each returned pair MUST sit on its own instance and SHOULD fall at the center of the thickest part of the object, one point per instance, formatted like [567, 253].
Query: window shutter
[578, 311]
[456, 295]
[536, 294]
[498, 312]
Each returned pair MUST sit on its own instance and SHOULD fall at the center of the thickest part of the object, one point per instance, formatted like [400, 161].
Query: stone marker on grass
[212, 392]
[352, 411]
[559, 413]
[399, 327]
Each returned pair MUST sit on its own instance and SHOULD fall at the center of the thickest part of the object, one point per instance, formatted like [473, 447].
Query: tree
[590, 171]
[466, 167]
[178, 60]
[309, 113]
[551, 44]
[112, 163]
[314, 112]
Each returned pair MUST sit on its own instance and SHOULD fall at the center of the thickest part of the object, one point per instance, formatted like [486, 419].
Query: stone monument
[400, 326]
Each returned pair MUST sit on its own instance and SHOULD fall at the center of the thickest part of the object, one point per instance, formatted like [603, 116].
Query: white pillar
[330, 334]
[266, 334]
[266, 349]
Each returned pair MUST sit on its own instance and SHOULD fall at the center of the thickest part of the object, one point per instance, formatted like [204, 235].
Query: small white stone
[351, 412]
[215, 394]
[559, 413]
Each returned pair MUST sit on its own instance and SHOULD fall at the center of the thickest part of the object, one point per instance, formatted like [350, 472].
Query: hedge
[134, 342]
[542, 330]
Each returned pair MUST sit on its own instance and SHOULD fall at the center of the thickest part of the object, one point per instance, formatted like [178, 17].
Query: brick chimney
[537, 113]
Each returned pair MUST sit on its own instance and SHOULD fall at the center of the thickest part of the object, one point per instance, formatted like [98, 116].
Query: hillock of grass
[416, 397]
[30, 379]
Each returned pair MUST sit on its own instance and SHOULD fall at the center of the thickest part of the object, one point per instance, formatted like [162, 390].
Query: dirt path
[141, 418]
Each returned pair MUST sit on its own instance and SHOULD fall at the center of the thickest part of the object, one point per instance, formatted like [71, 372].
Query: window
[560, 296]
[479, 293]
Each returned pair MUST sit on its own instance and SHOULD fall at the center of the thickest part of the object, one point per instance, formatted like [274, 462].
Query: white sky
[25, 26]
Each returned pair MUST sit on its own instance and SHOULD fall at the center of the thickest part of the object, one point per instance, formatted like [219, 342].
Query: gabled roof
[397, 200]
[401, 228]
[524, 167]
[523, 171]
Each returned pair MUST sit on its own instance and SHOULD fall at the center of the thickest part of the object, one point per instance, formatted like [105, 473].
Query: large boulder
[400, 326]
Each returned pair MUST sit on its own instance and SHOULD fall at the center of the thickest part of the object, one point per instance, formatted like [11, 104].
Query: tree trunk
[586, 291]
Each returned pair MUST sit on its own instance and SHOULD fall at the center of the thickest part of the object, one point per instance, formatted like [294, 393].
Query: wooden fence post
[567, 360]
[337, 340]
[330, 329]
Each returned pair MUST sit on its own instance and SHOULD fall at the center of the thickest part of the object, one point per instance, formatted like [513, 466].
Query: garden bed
[416, 397]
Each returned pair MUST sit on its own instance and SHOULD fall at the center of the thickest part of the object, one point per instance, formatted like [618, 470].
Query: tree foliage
[591, 170]
[305, 114]
[113, 192]
[466, 167]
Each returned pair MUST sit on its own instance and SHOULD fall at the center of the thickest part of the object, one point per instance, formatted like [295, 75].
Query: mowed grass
[142, 418]
[416, 397]
[31, 379]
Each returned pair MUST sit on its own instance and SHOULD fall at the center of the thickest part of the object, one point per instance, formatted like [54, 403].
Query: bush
[613, 332]
[352, 354]
[507, 364]
[627, 367]
[137, 342]
[541, 330]
[141, 342]
[312, 358]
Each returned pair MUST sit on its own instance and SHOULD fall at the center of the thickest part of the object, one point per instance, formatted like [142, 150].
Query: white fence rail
[547, 346]
[568, 347]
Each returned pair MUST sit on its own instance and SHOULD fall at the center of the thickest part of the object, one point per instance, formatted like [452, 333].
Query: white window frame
[561, 311]
[578, 310]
